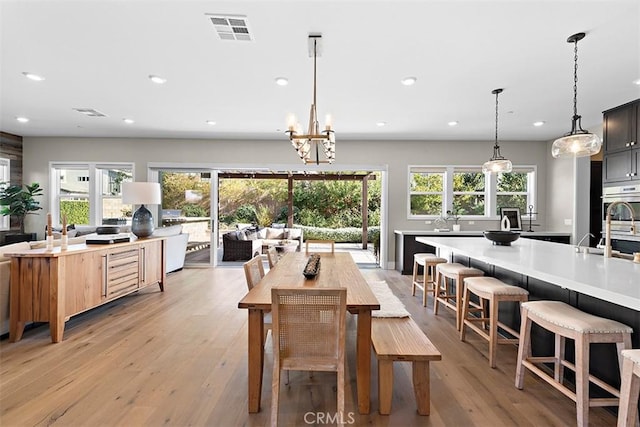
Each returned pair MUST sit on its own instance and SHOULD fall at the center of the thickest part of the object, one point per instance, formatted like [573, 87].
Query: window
[89, 193]
[426, 192]
[468, 192]
[514, 190]
[4, 178]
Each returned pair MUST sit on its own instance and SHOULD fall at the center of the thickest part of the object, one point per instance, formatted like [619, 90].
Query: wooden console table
[53, 285]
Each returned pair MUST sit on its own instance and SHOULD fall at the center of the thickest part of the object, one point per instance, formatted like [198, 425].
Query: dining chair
[272, 256]
[253, 273]
[308, 335]
[331, 243]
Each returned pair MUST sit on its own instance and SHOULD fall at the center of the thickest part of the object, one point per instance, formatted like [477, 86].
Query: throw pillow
[251, 235]
[242, 235]
[275, 233]
[294, 233]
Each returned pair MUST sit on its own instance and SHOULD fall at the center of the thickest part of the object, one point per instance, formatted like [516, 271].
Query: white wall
[396, 155]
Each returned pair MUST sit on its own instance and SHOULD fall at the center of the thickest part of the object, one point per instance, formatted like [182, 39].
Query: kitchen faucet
[581, 240]
[607, 228]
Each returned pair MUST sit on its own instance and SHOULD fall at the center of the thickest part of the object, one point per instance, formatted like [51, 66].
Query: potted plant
[453, 214]
[19, 202]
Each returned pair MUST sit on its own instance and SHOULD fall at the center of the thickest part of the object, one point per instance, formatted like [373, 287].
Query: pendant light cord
[496, 146]
[575, 79]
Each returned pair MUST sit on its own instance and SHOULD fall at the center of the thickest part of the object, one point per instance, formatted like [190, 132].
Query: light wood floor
[179, 358]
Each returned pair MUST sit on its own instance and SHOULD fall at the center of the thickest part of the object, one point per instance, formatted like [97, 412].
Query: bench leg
[421, 380]
[385, 386]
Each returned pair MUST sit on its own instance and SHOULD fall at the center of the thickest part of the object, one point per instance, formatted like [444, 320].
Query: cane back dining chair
[272, 256]
[253, 273]
[308, 335]
[331, 244]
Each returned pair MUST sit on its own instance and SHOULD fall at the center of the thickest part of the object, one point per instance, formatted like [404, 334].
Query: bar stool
[494, 291]
[566, 321]
[427, 283]
[457, 273]
[629, 388]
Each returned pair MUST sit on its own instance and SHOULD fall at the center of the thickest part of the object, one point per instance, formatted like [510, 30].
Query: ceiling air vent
[90, 112]
[231, 27]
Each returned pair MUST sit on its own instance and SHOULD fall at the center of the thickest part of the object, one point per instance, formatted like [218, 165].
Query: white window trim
[490, 190]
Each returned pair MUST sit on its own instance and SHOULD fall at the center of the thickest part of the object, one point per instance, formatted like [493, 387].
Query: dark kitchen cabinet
[621, 148]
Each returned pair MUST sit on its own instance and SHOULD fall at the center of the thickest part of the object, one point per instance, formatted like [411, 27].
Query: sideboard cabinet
[53, 285]
[621, 148]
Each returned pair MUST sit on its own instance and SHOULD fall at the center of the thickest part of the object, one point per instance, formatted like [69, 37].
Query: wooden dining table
[336, 270]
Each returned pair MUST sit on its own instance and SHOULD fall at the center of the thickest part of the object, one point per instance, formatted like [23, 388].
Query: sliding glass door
[187, 199]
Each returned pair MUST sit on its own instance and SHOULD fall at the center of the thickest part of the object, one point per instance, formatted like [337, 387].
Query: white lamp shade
[141, 193]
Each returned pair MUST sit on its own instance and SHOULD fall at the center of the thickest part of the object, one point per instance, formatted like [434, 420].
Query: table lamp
[141, 193]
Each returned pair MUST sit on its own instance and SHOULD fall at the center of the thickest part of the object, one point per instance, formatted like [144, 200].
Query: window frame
[94, 196]
[491, 193]
[443, 193]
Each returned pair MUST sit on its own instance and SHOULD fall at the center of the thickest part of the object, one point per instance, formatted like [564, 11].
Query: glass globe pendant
[497, 163]
[578, 142]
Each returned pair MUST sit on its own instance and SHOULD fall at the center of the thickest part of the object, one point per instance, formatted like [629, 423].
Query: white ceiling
[98, 54]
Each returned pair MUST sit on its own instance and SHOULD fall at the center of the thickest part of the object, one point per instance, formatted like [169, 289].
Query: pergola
[363, 177]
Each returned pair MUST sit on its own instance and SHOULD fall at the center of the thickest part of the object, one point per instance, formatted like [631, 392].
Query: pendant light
[578, 142]
[497, 163]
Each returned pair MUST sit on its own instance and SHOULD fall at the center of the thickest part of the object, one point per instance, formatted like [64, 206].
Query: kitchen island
[606, 287]
[407, 245]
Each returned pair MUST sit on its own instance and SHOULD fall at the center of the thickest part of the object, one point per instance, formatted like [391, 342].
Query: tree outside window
[426, 193]
[468, 193]
[512, 191]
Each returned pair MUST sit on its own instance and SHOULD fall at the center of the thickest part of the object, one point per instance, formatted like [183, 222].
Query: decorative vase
[49, 243]
[64, 242]
[456, 227]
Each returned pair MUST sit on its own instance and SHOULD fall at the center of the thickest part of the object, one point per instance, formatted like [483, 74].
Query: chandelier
[309, 144]
[497, 163]
[578, 142]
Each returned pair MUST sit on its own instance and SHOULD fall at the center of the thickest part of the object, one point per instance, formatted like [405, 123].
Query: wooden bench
[400, 339]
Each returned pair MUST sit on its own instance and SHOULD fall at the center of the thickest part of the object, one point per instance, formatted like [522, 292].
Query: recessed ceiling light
[637, 81]
[538, 124]
[408, 81]
[32, 76]
[128, 121]
[453, 123]
[157, 79]
[282, 81]
[381, 124]
[22, 119]
[211, 122]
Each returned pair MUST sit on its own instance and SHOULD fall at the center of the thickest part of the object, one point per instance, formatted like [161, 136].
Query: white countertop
[609, 279]
[475, 233]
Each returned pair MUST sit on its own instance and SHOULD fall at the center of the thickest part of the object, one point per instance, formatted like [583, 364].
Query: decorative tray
[312, 268]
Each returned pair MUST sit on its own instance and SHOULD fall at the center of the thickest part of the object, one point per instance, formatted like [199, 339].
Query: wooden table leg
[363, 361]
[256, 359]
[385, 385]
[421, 380]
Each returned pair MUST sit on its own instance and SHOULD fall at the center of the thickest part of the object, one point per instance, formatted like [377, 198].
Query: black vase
[142, 222]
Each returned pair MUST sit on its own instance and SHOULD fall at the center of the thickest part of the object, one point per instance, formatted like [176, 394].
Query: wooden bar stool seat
[427, 283]
[565, 321]
[452, 298]
[494, 291]
[629, 389]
